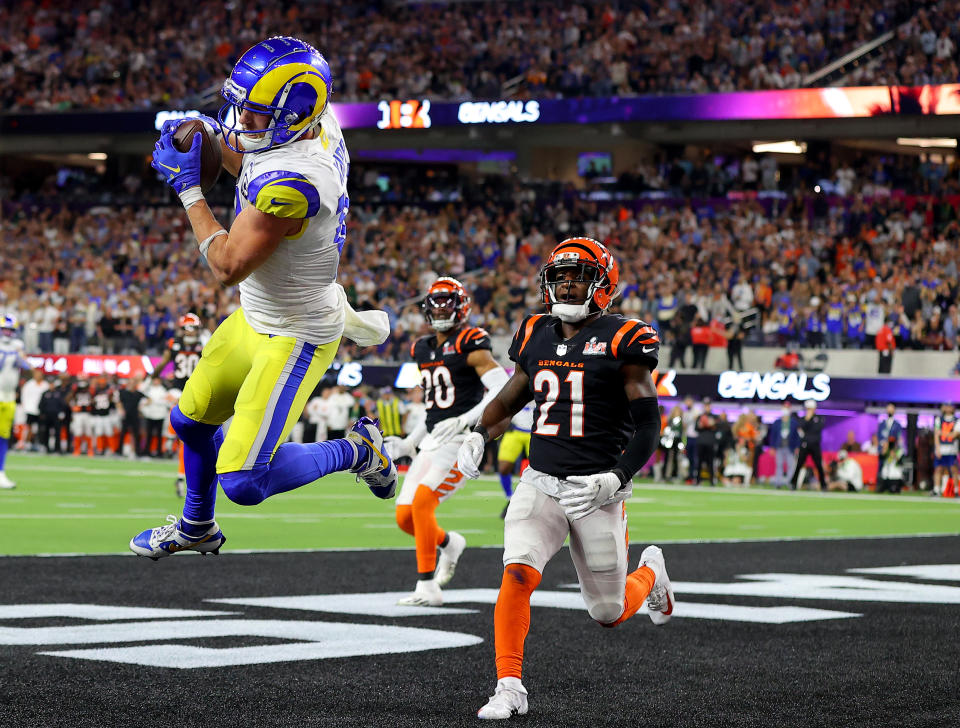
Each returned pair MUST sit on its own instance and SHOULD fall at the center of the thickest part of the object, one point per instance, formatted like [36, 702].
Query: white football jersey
[523, 420]
[293, 293]
[11, 351]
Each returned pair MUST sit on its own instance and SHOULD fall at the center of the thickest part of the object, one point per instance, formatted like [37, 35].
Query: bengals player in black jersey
[184, 351]
[596, 423]
[456, 368]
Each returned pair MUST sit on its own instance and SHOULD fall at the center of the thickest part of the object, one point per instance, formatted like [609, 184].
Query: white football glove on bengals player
[449, 428]
[597, 489]
[470, 454]
[399, 447]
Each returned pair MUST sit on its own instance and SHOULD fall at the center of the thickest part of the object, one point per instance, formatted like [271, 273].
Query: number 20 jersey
[582, 418]
[450, 385]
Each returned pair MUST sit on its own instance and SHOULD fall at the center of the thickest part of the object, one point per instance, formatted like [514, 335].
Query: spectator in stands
[846, 474]
[886, 344]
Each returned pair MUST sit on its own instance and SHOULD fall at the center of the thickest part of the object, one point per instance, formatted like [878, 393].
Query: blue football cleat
[374, 465]
[155, 543]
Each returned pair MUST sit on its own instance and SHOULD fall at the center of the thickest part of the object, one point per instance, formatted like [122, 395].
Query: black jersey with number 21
[450, 385]
[582, 419]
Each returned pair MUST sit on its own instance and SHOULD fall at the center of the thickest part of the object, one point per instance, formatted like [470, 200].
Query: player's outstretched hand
[449, 428]
[470, 454]
[170, 125]
[597, 489]
[180, 170]
[398, 447]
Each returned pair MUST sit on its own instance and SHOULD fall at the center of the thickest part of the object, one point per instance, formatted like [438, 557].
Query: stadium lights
[789, 147]
[925, 143]
[97, 156]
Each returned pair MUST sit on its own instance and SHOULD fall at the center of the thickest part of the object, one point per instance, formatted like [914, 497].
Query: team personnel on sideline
[282, 142]
[455, 367]
[596, 424]
[514, 444]
[12, 363]
[945, 448]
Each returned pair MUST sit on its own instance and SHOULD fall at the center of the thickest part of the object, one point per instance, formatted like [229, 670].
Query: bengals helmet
[446, 304]
[593, 264]
[190, 327]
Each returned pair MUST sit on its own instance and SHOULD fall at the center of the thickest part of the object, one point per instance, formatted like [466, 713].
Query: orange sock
[639, 584]
[511, 618]
[404, 515]
[181, 470]
[426, 531]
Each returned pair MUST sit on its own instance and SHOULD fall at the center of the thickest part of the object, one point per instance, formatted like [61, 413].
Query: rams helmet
[284, 78]
[9, 325]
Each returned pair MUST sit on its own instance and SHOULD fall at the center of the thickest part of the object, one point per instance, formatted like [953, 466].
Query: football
[211, 158]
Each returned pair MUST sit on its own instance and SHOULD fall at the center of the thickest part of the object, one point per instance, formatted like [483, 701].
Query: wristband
[482, 431]
[191, 196]
[205, 245]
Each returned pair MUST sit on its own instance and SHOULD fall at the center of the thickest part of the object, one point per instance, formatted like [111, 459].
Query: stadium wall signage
[404, 115]
[773, 386]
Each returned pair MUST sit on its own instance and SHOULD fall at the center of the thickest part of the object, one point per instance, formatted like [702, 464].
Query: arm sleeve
[646, 417]
[493, 380]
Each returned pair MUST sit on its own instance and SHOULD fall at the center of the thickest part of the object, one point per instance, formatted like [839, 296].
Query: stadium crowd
[817, 270]
[130, 54]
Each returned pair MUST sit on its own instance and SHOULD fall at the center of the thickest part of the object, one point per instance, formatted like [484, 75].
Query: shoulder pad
[636, 339]
[525, 331]
[284, 194]
[471, 339]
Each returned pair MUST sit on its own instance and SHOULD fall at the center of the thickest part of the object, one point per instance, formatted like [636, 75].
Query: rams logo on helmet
[284, 78]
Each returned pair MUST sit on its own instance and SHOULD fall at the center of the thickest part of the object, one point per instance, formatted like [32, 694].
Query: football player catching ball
[282, 142]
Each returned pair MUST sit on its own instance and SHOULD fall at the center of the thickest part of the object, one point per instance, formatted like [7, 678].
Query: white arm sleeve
[493, 380]
[419, 432]
[365, 328]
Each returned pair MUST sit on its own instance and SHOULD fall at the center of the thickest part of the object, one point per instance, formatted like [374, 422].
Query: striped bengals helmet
[446, 304]
[594, 265]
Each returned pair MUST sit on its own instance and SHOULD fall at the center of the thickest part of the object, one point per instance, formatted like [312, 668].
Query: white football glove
[470, 455]
[449, 428]
[597, 489]
[398, 447]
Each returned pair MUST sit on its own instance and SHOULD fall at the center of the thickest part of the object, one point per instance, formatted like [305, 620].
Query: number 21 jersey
[582, 419]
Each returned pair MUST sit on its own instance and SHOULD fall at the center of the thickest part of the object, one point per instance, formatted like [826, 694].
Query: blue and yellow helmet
[8, 325]
[284, 78]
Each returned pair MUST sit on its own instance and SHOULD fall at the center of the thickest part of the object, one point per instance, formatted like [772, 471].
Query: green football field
[94, 506]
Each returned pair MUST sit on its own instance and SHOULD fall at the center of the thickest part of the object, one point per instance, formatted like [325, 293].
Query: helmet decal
[283, 78]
